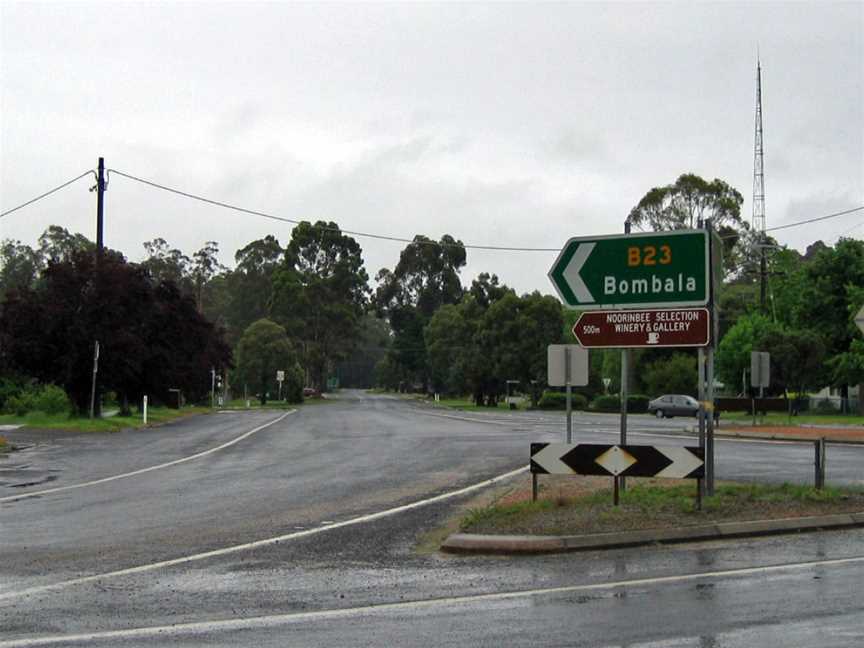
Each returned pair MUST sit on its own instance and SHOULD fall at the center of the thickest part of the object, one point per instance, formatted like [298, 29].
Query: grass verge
[240, 404]
[109, 424]
[467, 405]
[780, 418]
[583, 505]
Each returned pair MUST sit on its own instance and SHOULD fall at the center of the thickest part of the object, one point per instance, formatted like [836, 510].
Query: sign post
[280, 377]
[760, 374]
[650, 289]
[567, 365]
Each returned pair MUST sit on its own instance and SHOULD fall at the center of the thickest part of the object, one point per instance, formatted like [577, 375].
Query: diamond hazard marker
[616, 460]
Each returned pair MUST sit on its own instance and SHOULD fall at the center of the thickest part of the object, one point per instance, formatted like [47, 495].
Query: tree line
[308, 309]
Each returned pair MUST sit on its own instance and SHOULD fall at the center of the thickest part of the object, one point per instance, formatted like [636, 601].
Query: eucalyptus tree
[320, 293]
[250, 285]
[425, 279]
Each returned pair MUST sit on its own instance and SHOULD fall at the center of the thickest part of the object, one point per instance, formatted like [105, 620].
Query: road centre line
[276, 620]
[48, 491]
[266, 542]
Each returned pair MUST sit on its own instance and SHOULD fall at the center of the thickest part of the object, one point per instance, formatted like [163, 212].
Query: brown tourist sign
[678, 327]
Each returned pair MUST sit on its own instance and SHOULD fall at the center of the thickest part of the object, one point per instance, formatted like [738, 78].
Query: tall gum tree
[320, 293]
[425, 278]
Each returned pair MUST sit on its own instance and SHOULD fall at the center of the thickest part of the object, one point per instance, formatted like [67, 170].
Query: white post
[145, 409]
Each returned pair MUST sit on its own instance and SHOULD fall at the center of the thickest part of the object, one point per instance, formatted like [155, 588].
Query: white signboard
[557, 357]
[859, 319]
[280, 375]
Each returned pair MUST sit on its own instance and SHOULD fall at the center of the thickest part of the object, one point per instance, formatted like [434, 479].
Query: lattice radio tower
[759, 188]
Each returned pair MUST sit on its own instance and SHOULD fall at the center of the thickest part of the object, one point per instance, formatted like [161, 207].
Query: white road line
[276, 620]
[59, 489]
[38, 589]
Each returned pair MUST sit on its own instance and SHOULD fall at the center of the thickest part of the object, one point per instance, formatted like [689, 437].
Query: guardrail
[820, 449]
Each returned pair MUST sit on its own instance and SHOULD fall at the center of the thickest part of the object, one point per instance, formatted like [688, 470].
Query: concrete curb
[526, 544]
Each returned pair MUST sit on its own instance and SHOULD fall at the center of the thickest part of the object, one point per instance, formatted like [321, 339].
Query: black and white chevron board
[679, 462]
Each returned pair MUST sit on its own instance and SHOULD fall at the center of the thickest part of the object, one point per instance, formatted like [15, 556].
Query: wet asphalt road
[364, 584]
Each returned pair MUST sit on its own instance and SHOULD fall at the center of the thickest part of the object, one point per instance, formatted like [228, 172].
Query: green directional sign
[646, 270]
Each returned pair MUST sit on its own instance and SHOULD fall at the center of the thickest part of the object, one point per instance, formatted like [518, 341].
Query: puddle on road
[45, 480]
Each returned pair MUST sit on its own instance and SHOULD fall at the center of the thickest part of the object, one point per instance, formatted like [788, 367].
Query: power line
[815, 220]
[381, 237]
[47, 193]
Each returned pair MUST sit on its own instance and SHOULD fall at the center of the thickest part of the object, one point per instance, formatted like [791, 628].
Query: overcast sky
[501, 124]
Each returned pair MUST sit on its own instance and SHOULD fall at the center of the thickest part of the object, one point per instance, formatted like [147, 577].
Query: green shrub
[557, 400]
[18, 405]
[48, 399]
[51, 399]
[8, 389]
[606, 403]
[825, 406]
[637, 404]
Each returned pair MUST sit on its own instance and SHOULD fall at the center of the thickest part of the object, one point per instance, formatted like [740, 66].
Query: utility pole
[93, 384]
[95, 403]
[100, 207]
[759, 192]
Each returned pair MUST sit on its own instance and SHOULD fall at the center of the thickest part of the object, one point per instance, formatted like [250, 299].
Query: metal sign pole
[567, 380]
[709, 446]
[700, 368]
[714, 260]
[620, 482]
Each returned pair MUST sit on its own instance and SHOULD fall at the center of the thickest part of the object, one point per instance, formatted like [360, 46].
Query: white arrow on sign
[683, 462]
[549, 459]
[571, 273]
[859, 319]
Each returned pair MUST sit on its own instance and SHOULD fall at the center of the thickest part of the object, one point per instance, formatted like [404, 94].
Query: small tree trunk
[124, 405]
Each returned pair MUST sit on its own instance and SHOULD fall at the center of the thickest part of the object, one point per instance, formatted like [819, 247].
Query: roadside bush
[637, 404]
[49, 399]
[673, 375]
[17, 405]
[606, 403]
[293, 385]
[9, 388]
[825, 406]
[551, 400]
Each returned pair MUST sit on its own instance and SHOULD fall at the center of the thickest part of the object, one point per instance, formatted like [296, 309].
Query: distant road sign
[557, 357]
[681, 462]
[859, 319]
[760, 369]
[682, 327]
[649, 270]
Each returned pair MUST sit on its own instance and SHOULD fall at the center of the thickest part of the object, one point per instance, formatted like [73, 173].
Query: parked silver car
[670, 405]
